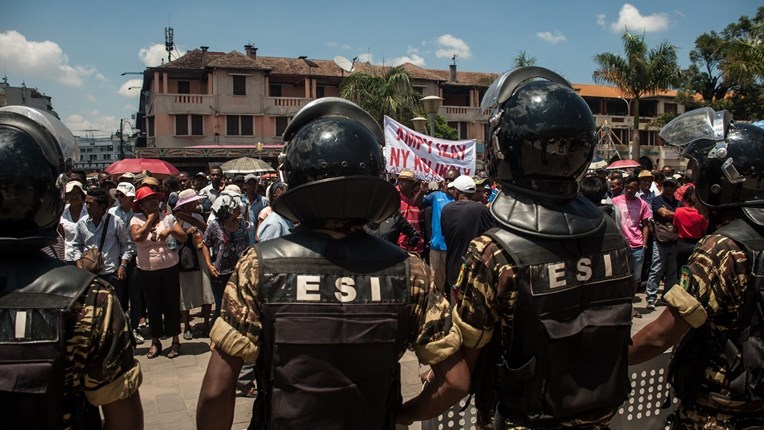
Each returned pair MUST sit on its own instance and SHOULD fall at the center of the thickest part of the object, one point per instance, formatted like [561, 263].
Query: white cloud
[131, 88]
[91, 98]
[155, 54]
[343, 46]
[412, 58]
[366, 58]
[553, 38]
[601, 20]
[631, 20]
[449, 45]
[42, 59]
[93, 123]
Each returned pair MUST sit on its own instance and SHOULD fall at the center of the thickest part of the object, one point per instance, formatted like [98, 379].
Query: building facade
[207, 107]
[24, 96]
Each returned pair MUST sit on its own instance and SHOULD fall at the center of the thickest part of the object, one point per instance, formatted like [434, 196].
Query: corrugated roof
[234, 60]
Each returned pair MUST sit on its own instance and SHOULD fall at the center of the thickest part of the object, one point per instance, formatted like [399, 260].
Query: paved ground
[171, 387]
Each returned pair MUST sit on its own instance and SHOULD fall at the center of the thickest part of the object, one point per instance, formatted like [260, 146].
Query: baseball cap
[250, 176]
[464, 184]
[406, 174]
[128, 175]
[645, 174]
[123, 187]
[71, 185]
[202, 174]
[232, 190]
[670, 180]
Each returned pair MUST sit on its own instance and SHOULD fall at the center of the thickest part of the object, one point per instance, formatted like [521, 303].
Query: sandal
[175, 350]
[154, 350]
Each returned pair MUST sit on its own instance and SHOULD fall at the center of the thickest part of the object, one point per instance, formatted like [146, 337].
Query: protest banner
[429, 157]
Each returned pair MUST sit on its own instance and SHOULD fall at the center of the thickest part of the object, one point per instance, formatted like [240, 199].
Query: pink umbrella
[623, 164]
[137, 165]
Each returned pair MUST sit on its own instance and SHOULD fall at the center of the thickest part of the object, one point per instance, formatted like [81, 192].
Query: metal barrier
[642, 411]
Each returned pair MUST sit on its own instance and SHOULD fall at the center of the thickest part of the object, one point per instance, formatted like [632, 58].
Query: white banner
[429, 157]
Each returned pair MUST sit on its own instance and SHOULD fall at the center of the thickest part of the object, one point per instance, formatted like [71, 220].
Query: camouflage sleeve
[102, 337]
[712, 281]
[237, 331]
[434, 336]
[486, 292]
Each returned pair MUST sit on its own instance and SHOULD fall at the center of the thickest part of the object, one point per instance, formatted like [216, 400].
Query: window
[275, 90]
[239, 125]
[240, 85]
[670, 108]
[280, 124]
[462, 129]
[150, 125]
[184, 123]
[184, 87]
[319, 92]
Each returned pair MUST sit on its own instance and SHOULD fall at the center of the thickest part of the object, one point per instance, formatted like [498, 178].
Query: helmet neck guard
[551, 219]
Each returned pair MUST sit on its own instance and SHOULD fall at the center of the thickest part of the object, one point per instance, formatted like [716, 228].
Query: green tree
[726, 70]
[641, 72]
[383, 91]
[443, 130]
[523, 60]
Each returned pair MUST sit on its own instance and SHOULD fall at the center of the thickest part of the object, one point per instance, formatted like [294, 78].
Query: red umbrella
[623, 164]
[138, 165]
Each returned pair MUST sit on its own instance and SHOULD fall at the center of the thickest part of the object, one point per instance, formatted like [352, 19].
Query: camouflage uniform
[709, 292]
[99, 360]
[238, 330]
[487, 296]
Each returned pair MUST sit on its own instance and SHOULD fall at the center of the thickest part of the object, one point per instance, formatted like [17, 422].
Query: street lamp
[432, 104]
[123, 121]
[131, 73]
[420, 124]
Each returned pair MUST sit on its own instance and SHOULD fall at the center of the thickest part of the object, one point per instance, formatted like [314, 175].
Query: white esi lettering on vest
[557, 271]
[308, 287]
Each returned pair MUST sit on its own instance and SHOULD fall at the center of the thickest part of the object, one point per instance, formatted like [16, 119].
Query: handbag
[665, 232]
[92, 259]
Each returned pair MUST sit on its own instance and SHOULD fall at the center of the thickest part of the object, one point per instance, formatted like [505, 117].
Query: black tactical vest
[335, 322]
[566, 356]
[741, 345]
[37, 295]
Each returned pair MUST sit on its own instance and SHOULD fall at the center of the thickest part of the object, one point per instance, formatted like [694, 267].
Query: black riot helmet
[726, 158]
[334, 165]
[36, 150]
[542, 133]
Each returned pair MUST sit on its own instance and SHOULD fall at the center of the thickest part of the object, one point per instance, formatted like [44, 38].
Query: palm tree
[642, 72]
[386, 91]
[522, 60]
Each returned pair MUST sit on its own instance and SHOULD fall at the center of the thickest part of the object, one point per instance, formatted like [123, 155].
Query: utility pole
[122, 140]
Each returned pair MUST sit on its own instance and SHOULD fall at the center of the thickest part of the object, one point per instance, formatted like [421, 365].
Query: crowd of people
[168, 244]
[516, 285]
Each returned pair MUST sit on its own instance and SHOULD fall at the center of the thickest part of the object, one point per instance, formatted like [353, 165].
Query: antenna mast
[169, 42]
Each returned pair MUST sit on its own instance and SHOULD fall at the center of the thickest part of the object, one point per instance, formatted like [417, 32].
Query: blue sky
[75, 51]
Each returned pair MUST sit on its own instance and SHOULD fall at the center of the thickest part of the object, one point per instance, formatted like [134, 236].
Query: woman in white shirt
[74, 210]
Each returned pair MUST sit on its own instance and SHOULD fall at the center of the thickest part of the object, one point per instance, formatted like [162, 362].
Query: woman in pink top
[691, 226]
[157, 263]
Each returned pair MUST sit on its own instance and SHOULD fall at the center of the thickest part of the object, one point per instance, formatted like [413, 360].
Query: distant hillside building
[207, 107]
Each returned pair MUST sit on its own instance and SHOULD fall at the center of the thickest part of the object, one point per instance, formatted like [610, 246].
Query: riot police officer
[328, 310]
[716, 370]
[545, 298]
[65, 347]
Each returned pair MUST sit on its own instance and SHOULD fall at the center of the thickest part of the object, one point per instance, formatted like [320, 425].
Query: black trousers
[163, 293]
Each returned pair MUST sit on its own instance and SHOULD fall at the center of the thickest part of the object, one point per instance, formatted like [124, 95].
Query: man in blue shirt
[438, 199]
[254, 203]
